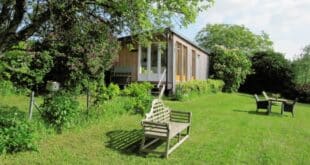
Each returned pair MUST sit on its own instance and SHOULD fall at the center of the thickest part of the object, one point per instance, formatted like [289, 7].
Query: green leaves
[233, 37]
[15, 135]
[59, 110]
[232, 66]
[140, 94]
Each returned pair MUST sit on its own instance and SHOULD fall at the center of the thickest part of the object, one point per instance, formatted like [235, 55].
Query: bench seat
[175, 129]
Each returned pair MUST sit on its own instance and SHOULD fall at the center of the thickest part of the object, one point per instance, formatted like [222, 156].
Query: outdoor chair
[288, 107]
[262, 104]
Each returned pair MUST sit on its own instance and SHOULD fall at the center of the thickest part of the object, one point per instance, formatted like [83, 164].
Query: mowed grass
[225, 130]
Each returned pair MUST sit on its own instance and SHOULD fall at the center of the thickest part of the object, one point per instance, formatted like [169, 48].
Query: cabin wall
[128, 59]
[201, 64]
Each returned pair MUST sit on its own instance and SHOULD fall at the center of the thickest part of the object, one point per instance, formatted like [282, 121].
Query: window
[179, 59]
[163, 59]
[154, 57]
[193, 64]
[185, 55]
[143, 59]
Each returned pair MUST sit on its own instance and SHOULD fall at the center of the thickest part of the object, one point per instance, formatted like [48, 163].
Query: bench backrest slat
[265, 95]
[159, 113]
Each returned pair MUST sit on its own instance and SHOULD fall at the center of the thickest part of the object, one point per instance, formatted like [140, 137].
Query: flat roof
[129, 37]
[188, 40]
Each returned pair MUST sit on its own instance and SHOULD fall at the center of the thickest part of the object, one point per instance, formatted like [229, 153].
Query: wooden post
[31, 105]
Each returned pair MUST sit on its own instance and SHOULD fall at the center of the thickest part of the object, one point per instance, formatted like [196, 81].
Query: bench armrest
[180, 116]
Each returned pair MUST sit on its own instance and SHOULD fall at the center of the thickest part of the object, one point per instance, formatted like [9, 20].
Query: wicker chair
[288, 107]
[262, 104]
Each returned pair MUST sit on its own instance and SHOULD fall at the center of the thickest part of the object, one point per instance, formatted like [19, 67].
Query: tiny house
[170, 60]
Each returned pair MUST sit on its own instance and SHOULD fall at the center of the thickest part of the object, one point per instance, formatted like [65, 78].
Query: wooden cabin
[170, 60]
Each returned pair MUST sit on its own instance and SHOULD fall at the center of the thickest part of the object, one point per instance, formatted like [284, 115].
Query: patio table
[276, 100]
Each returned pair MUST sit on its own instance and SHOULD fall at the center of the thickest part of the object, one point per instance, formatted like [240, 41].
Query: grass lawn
[225, 130]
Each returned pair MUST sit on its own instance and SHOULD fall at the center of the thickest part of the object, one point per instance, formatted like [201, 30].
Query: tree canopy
[21, 19]
[301, 66]
[233, 37]
[231, 66]
[272, 72]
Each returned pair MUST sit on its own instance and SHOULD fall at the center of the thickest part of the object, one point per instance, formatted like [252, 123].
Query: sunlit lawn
[225, 130]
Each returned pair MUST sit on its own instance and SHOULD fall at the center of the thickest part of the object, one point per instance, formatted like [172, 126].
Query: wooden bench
[161, 123]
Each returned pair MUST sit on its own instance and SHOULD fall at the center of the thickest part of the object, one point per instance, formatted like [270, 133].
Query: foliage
[24, 67]
[141, 96]
[129, 17]
[233, 37]
[82, 53]
[301, 67]
[106, 93]
[303, 93]
[59, 110]
[272, 72]
[231, 66]
[186, 89]
[15, 135]
[6, 88]
[113, 91]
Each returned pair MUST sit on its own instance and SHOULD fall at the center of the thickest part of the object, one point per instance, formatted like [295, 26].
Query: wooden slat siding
[126, 58]
[201, 63]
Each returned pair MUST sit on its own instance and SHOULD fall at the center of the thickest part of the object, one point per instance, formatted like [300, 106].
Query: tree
[301, 66]
[230, 65]
[233, 37]
[24, 66]
[230, 48]
[21, 19]
[272, 72]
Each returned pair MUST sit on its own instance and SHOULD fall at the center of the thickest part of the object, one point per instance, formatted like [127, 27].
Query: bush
[272, 72]
[104, 93]
[303, 93]
[6, 88]
[15, 135]
[186, 89]
[141, 96]
[113, 90]
[59, 110]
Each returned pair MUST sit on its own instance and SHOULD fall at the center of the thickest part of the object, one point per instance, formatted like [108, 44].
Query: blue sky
[286, 21]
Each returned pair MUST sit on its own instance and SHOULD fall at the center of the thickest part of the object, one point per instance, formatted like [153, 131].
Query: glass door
[151, 61]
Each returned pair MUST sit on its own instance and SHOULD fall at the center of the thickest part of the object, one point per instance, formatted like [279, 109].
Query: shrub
[272, 72]
[141, 96]
[15, 135]
[186, 89]
[104, 93]
[6, 88]
[303, 93]
[113, 90]
[59, 110]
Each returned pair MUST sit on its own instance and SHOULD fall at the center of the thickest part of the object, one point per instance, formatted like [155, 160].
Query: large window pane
[143, 59]
[163, 59]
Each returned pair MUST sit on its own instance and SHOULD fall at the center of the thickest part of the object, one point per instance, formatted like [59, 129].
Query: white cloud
[286, 21]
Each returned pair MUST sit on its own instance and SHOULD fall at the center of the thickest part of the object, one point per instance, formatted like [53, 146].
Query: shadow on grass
[12, 112]
[262, 113]
[127, 142]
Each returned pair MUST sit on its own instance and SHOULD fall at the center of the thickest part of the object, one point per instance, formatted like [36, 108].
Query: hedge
[195, 87]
